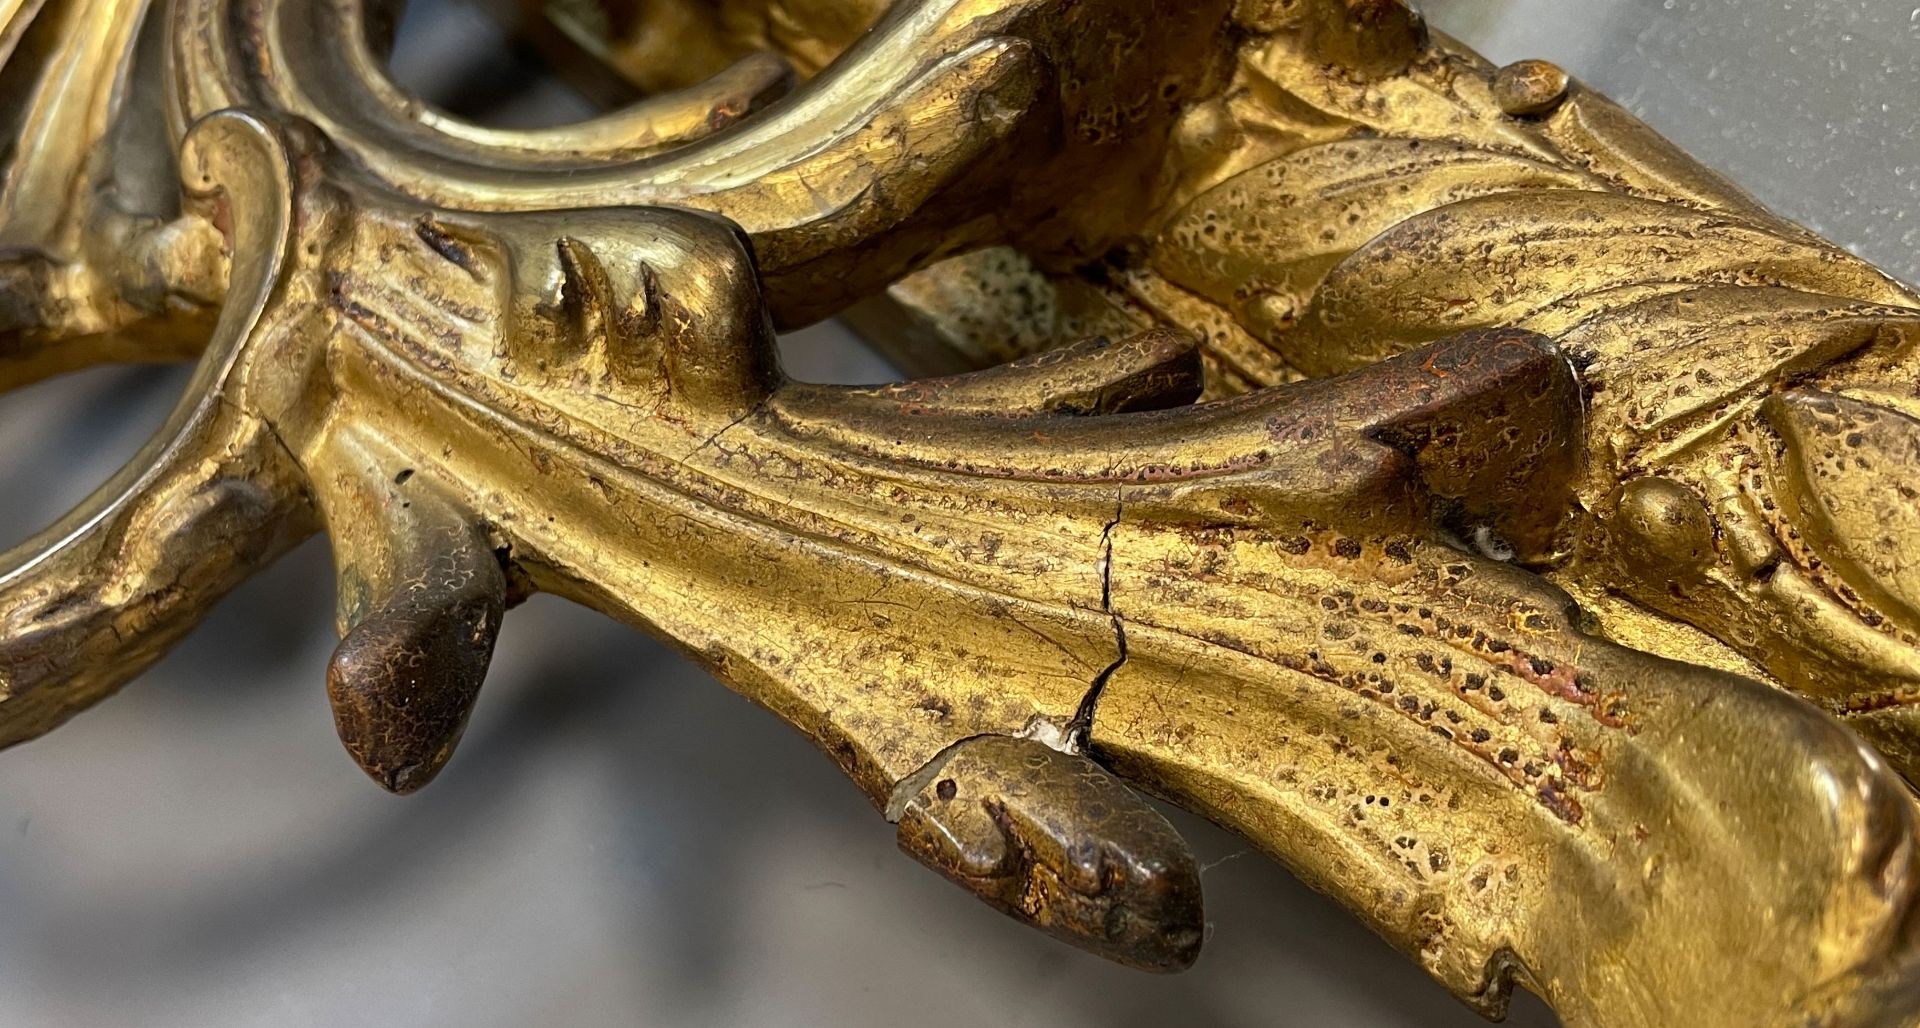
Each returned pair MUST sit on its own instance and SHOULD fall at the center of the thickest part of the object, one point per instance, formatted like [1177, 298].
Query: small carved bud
[1530, 88]
[1663, 527]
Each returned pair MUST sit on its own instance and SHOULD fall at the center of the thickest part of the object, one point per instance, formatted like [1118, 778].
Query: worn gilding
[1417, 467]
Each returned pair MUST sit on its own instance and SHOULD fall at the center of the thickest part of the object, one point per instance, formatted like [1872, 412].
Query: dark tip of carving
[404, 679]
[586, 294]
[405, 779]
[1055, 840]
[641, 316]
[448, 246]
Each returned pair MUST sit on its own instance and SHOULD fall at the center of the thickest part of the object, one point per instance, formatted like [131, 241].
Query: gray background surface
[620, 841]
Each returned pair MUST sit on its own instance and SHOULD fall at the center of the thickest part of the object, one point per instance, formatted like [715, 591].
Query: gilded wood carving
[1418, 467]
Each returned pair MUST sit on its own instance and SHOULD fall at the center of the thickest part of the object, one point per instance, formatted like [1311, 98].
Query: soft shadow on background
[621, 841]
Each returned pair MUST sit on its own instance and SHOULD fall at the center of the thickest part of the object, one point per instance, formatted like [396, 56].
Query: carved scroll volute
[999, 601]
[91, 601]
[586, 403]
[927, 573]
[94, 265]
[930, 137]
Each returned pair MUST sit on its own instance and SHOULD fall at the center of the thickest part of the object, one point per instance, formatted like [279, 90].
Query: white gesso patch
[1490, 545]
[1047, 733]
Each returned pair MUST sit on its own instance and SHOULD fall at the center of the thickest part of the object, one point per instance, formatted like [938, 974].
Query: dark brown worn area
[500, 361]
[1054, 840]
[406, 675]
[1530, 87]
[1493, 419]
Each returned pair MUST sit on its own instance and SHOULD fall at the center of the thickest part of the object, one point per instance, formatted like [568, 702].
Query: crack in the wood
[1081, 727]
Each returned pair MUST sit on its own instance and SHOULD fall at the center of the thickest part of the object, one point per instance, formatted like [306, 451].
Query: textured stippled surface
[581, 954]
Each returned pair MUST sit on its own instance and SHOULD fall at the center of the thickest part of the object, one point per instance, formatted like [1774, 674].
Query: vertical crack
[1081, 726]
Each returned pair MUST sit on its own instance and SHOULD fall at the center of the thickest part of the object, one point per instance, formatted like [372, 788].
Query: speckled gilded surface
[1257, 544]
